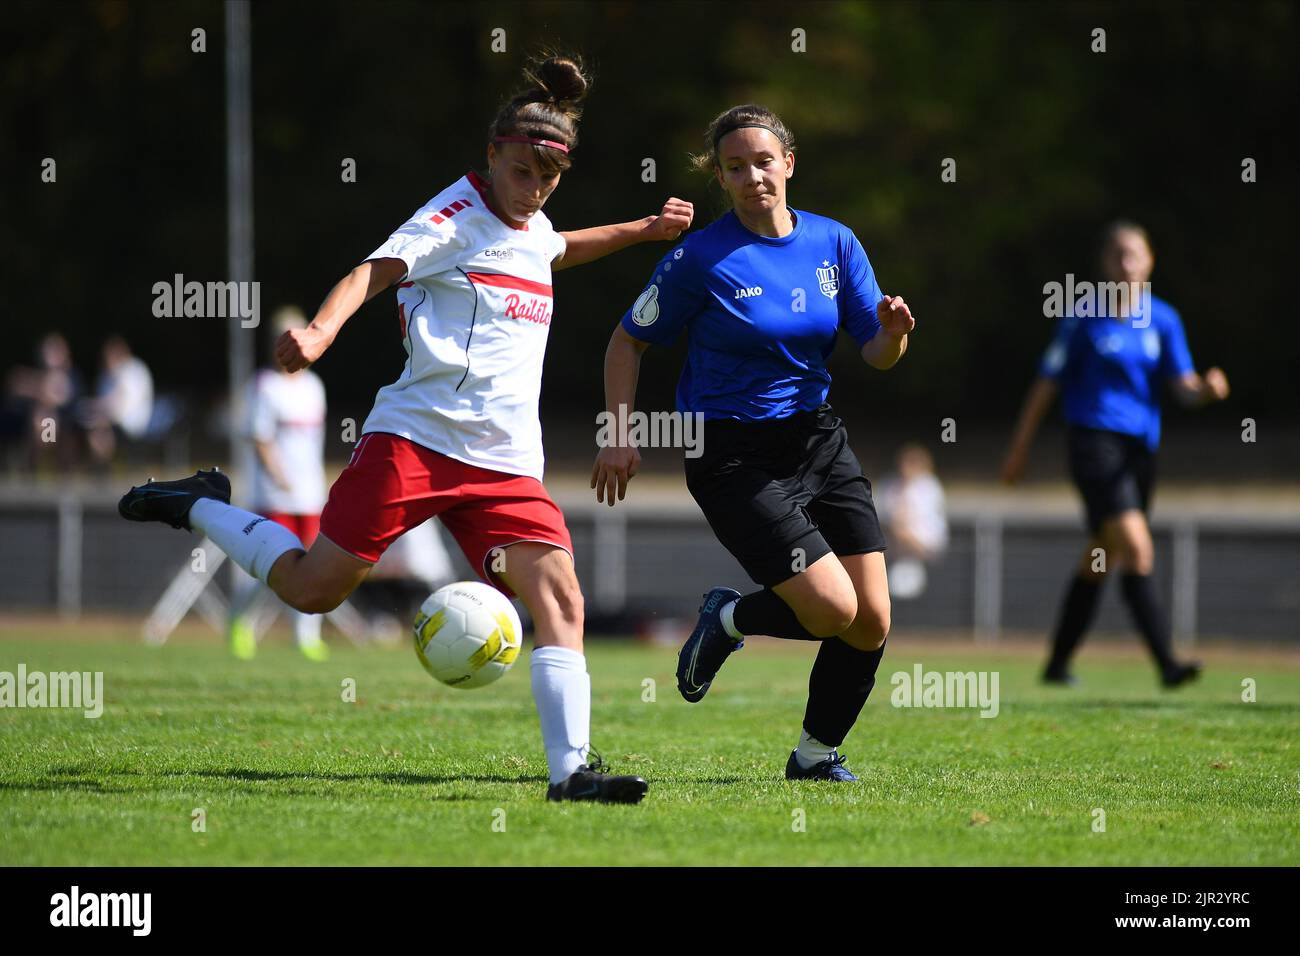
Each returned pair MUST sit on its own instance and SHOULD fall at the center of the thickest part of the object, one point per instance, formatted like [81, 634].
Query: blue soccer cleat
[170, 501]
[832, 768]
[707, 647]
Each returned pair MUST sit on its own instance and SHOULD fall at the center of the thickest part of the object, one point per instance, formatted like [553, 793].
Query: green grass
[413, 773]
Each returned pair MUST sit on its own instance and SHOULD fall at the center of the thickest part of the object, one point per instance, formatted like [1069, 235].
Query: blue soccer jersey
[1110, 371]
[761, 314]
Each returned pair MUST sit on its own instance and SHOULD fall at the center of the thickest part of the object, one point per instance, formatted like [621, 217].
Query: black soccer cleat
[707, 647]
[1181, 674]
[832, 768]
[592, 781]
[1060, 677]
[170, 501]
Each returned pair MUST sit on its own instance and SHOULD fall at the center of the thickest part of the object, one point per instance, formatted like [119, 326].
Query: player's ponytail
[548, 109]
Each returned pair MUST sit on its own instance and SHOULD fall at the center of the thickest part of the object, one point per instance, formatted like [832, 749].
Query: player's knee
[831, 615]
[1140, 559]
[869, 629]
[563, 595]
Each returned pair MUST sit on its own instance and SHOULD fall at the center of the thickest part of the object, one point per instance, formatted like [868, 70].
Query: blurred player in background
[458, 434]
[913, 508]
[763, 293]
[41, 402]
[123, 402]
[1110, 370]
[286, 421]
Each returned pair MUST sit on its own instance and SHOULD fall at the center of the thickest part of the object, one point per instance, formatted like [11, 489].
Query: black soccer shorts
[1113, 472]
[782, 494]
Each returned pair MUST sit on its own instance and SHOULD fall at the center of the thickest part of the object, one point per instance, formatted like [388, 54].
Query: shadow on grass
[73, 779]
[1170, 706]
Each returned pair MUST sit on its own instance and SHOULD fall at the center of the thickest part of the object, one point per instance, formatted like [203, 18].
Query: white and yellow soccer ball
[467, 634]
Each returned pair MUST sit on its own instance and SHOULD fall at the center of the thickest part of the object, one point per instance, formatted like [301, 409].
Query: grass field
[286, 772]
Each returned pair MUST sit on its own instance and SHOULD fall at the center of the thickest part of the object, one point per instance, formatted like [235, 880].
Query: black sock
[1140, 595]
[840, 682]
[763, 612]
[1077, 611]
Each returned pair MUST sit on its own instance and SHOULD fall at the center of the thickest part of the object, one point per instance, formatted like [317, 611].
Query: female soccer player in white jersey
[457, 435]
[763, 293]
[1110, 369]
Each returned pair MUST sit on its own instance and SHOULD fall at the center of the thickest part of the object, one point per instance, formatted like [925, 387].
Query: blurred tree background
[1051, 140]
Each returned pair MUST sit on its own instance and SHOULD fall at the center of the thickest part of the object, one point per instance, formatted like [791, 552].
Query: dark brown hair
[733, 119]
[1113, 229]
[547, 109]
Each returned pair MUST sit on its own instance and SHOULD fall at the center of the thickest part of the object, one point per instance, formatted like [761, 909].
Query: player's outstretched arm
[588, 245]
[887, 346]
[1041, 395]
[1194, 390]
[298, 348]
[618, 460]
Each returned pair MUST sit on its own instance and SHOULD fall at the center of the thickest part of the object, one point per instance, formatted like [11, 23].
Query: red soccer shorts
[391, 485]
[306, 527]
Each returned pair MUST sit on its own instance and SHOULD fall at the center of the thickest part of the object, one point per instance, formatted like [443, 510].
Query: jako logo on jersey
[534, 311]
[646, 308]
[749, 293]
[828, 278]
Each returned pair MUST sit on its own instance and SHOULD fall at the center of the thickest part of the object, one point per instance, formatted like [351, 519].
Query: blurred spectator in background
[38, 405]
[912, 504]
[286, 421]
[123, 402]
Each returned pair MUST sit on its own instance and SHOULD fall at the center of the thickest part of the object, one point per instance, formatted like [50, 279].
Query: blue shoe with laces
[832, 768]
[707, 647]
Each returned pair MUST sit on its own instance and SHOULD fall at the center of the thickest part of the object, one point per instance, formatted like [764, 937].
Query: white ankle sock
[811, 751]
[252, 542]
[728, 618]
[562, 690]
[306, 628]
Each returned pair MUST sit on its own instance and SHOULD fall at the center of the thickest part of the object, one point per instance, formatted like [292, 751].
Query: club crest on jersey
[646, 308]
[828, 278]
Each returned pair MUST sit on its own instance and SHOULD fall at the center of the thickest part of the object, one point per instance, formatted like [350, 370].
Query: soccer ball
[467, 634]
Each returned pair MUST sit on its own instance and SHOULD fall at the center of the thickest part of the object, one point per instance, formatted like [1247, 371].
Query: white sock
[728, 618]
[246, 593]
[811, 751]
[562, 690]
[252, 542]
[306, 628]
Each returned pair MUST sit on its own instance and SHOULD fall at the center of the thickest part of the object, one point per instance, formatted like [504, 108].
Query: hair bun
[559, 79]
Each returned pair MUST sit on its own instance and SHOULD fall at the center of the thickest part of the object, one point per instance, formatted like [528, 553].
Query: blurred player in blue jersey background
[1110, 368]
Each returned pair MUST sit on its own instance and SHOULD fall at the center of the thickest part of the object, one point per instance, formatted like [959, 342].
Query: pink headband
[535, 142]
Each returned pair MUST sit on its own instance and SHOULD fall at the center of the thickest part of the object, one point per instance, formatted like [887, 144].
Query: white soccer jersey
[475, 311]
[288, 411]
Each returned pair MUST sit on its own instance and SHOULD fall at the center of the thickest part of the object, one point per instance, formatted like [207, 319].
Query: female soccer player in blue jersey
[1109, 369]
[762, 294]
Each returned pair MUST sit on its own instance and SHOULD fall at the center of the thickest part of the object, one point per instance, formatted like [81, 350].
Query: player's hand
[614, 468]
[894, 316]
[1216, 383]
[298, 348]
[674, 220]
[1013, 466]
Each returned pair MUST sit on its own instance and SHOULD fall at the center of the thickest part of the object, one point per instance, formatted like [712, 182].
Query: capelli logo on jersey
[498, 253]
[535, 310]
